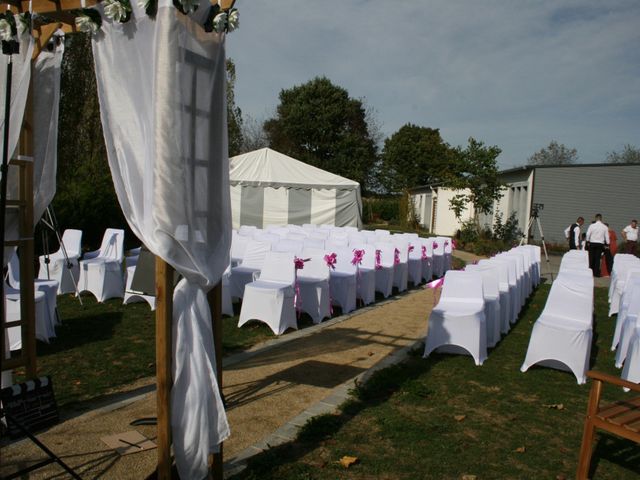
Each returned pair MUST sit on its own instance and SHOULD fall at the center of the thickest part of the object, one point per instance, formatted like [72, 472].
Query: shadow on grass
[619, 451]
[375, 391]
[85, 329]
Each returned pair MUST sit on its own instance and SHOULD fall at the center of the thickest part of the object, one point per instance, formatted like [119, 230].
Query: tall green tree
[318, 123]
[629, 154]
[476, 177]
[234, 114]
[554, 154]
[414, 156]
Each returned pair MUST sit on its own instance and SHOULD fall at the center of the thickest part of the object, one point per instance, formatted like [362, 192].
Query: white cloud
[513, 74]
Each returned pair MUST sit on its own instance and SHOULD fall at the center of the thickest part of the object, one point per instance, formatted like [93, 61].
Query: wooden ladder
[23, 206]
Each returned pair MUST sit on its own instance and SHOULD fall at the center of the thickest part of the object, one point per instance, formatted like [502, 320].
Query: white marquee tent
[270, 188]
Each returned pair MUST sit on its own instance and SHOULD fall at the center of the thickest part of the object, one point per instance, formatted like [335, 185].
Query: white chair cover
[427, 263]
[343, 281]
[416, 267]
[313, 285]
[401, 269]
[629, 323]
[621, 261]
[512, 282]
[312, 242]
[438, 257]
[132, 296]
[48, 287]
[623, 276]
[458, 321]
[250, 267]
[561, 337]
[270, 298]
[386, 272]
[101, 271]
[247, 230]
[631, 370]
[289, 245]
[57, 269]
[491, 293]
[44, 328]
[238, 247]
[502, 273]
[631, 291]
[366, 273]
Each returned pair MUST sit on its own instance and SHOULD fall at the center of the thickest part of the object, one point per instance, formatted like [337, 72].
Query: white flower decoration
[85, 24]
[5, 31]
[22, 24]
[114, 10]
[220, 22]
[190, 6]
[233, 20]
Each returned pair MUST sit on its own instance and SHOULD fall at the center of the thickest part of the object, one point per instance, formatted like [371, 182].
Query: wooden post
[215, 306]
[164, 315]
[27, 271]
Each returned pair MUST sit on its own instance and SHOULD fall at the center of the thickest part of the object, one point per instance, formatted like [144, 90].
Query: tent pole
[164, 314]
[215, 305]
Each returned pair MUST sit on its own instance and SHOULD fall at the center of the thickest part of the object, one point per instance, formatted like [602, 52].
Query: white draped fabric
[46, 99]
[20, 78]
[161, 86]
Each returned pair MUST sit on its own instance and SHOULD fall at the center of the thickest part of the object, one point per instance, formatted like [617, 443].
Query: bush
[379, 209]
[508, 232]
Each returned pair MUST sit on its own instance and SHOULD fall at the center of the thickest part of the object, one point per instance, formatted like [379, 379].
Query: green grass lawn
[104, 347]
[444, 418]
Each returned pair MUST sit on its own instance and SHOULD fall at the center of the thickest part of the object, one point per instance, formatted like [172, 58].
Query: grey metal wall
[570, 192]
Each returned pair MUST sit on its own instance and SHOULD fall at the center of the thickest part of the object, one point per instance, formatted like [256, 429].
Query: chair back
[571, 297]
[343, 261]
[112, 247]
[255, 254]
[490, 278]
[72, 240]
[386, 253]
[278, 267]
[316, 267]
[314, 243]
[239, 245]
[462, 286]
[288, 245]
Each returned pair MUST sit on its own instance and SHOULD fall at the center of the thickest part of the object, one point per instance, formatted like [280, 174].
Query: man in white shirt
[597, 241]
[630, 234]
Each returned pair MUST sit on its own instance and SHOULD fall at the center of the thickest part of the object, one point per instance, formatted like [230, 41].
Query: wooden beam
[164, 315]
[215, 306]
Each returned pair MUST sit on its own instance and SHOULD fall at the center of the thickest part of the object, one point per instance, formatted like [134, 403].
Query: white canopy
[270, 188]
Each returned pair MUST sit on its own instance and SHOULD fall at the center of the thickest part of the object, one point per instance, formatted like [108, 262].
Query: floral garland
[88, 20]
[12, 25]
[330, 260]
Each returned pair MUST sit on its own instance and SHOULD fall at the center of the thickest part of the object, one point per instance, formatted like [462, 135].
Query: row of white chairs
[266, 288]
[562, 334]
[624, 300]
[480, 303]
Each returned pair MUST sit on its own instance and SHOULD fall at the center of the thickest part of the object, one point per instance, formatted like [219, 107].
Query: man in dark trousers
[597, 241]
[573, 234]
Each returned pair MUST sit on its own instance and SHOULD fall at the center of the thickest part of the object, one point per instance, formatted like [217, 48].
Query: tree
[629, 154]
[414, 156]
[476, 171]
[234, 114]
[554, 154]
[253, 135]
[318, 123]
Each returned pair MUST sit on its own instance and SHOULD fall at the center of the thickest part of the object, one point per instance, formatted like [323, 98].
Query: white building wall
[446, 222]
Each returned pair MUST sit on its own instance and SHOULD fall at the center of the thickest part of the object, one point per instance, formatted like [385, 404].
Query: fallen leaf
[347, 461]
[77, 382]
[520, 450]
[555, 406]
[459, 418]
[561, 477]
[370, 354]
[469, 477]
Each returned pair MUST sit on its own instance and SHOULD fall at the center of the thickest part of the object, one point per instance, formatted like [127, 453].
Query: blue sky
[516, 74]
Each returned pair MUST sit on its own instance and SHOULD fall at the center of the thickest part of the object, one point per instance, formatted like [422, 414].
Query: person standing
[607, 259]
[597, 240]
[573, 234]
[630, 235]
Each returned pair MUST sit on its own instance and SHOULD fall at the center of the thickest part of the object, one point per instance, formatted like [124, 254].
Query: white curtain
[20, 78]
[46, 99]
[161, 86]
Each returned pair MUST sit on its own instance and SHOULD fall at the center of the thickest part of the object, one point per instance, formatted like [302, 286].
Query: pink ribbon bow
[436, 285]
[358, 256]
[331, 260]
[453, 243]
[299, 262]
[424, 252]
[396, 256]
[411, 248]
[297, 299]
[435, 245]
[378, 260]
